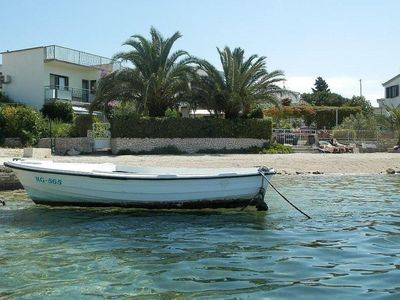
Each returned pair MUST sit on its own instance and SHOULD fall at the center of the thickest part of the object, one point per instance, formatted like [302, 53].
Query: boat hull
[58, 189]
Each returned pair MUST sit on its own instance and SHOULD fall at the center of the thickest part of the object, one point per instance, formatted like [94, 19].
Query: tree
[241, 85]
[320, 86]
[322, 95]
[359, 121]
[119, 87]
[324, 98]
[394, 118]
[363, 103]
[157, 78]
[202, 93]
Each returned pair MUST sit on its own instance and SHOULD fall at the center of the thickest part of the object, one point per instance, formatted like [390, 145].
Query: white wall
[75, 73]
[390, 101]
[25, 68]
[30, 74]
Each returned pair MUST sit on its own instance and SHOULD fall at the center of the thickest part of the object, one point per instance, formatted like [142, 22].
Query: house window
[59, 82]
[392, 91]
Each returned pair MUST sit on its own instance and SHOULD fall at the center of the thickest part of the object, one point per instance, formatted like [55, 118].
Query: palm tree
[242, 84]
[121, 86]
[157, 78]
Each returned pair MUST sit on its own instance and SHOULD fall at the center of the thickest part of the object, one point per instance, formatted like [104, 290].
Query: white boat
[110, 185]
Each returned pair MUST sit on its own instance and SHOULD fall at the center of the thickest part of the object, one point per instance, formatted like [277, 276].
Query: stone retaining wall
[189, 145]
[11, 152]
[134, 145]
[62, 145]
[12, 143]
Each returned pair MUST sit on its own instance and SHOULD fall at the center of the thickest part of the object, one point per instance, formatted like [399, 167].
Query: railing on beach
[295, 136]
[311, 136]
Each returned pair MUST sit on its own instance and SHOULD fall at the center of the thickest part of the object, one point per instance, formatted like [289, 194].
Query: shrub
[21, 122]
[256, 113]
[58, 111]
[122, 110]
[359, 122]
[4, 99]
[191, 128]
[83, 123]
[277, 149]
[58, 129]
[249, 150]
[158, 151]
[172, 113]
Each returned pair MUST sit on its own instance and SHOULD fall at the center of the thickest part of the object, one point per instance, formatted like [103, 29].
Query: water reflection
[349, 248]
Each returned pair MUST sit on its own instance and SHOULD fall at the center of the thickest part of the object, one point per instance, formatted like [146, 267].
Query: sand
[298, 163]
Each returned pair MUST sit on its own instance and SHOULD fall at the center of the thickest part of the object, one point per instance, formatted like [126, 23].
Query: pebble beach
[290, 164]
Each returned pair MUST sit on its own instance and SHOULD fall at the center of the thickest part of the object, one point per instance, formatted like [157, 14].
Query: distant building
[294, 97]
[187, 112]
[1, 73]
[38, 75]
[391, 90]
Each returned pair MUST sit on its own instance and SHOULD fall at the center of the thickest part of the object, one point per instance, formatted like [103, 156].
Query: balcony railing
[80, 58]
[68, 94]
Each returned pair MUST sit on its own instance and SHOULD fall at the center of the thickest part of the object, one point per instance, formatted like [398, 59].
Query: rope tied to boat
[262, 172]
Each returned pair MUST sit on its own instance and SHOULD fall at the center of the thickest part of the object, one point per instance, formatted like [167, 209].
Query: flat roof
[25, 49]
[42, 47]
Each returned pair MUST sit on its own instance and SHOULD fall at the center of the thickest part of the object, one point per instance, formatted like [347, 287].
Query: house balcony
[54, 52]
[77, 96]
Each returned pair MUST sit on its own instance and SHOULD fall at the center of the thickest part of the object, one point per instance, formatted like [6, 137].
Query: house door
[85, 90]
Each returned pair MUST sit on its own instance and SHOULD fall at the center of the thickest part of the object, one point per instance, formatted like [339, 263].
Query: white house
[294, 97]
[43, 74]
[392, 96]
[1, 67]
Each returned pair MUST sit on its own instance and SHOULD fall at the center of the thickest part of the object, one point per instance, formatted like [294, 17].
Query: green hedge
[190, 128]
[320, 116]
[326, 116]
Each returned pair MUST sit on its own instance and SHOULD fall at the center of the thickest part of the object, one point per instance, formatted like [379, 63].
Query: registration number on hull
[48, 180]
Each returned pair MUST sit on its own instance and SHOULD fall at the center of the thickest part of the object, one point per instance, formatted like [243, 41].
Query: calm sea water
[350, 249]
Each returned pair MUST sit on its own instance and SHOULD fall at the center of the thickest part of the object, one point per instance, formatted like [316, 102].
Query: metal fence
[295, 136]
[310, 137]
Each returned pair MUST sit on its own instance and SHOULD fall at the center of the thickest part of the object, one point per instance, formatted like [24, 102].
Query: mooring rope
[280, 194]
[2, 202]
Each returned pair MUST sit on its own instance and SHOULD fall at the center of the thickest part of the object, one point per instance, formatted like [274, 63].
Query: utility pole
[360, 87]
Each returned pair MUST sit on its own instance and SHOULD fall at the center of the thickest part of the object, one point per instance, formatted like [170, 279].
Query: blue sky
[341, 40]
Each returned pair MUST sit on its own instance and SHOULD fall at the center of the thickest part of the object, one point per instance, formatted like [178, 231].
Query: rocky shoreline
[8, 180]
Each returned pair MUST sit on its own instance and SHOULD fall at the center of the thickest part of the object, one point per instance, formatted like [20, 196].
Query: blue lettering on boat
[53, 181]
[40, 179]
